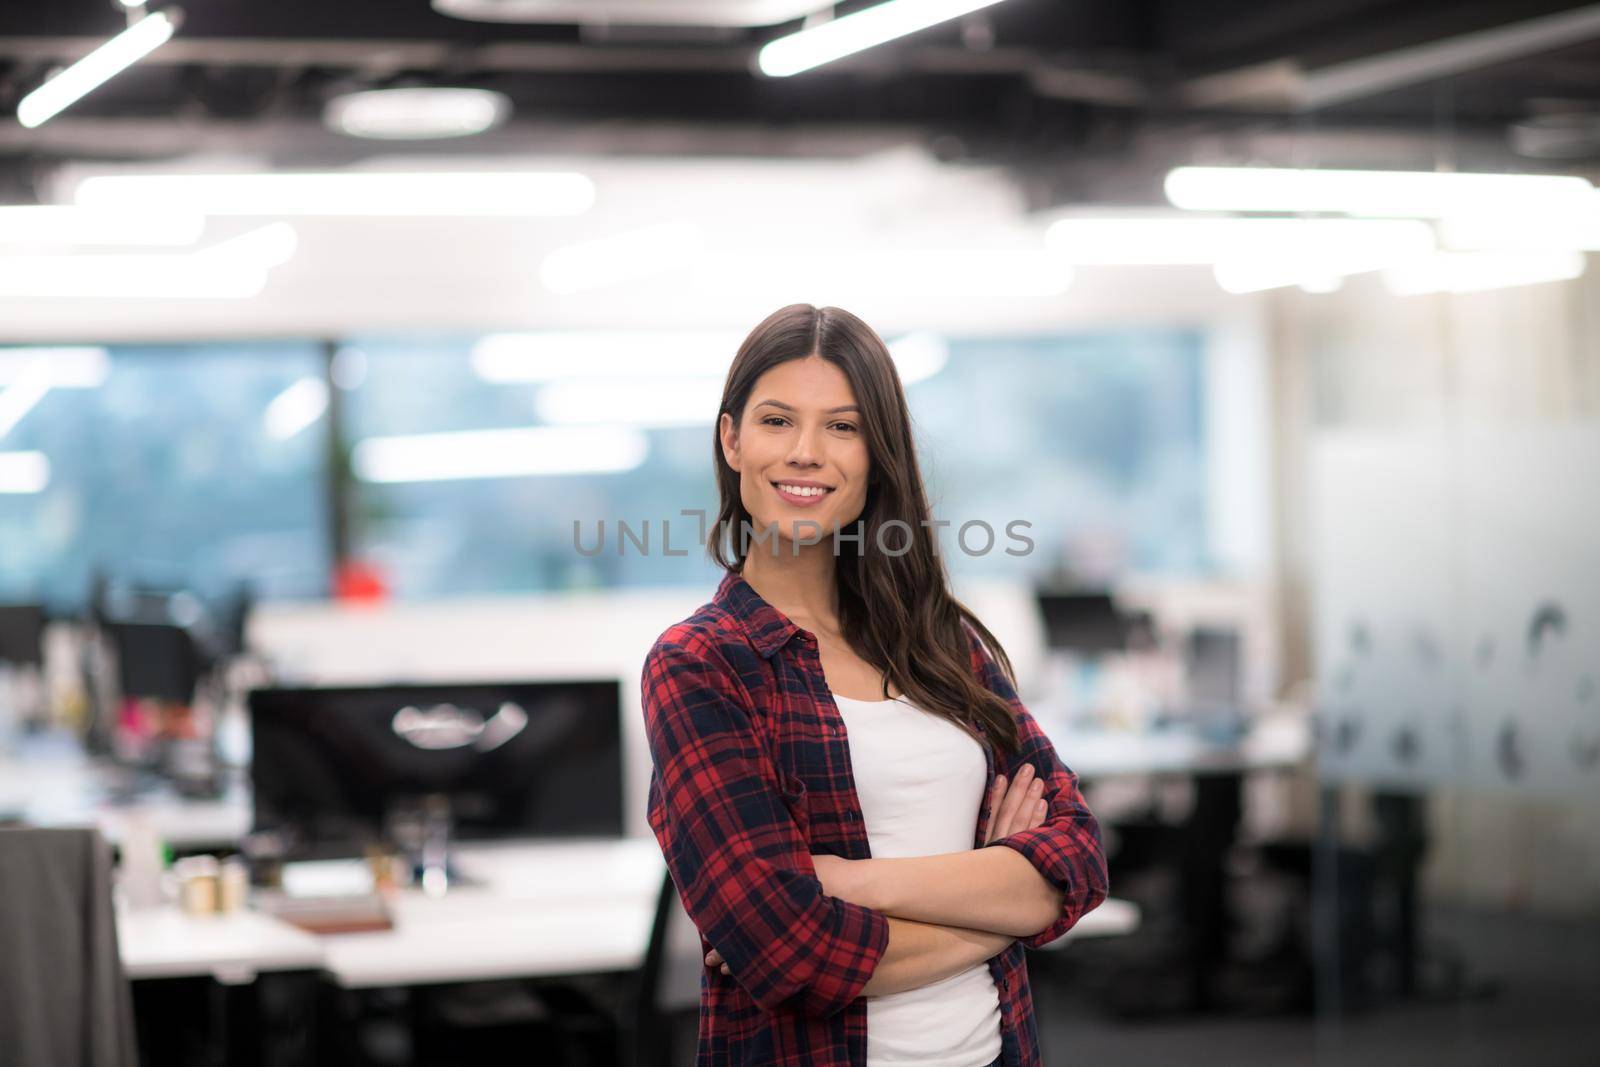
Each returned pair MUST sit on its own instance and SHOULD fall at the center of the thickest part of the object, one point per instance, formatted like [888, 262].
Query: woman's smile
[802, 493]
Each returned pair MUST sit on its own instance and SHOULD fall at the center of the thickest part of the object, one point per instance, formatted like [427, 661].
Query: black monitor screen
[332, 767]
[155, 660]
[1082, 622]
[21, 634]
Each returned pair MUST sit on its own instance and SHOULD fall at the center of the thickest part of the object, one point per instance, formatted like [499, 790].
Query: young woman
[836, 741]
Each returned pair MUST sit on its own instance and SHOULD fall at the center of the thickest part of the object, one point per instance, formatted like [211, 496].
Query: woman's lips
[801, 501]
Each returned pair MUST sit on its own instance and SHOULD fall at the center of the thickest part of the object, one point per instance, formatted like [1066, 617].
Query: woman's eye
[779, 420]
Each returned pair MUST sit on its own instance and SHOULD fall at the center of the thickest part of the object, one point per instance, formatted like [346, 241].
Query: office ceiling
[1085, 100]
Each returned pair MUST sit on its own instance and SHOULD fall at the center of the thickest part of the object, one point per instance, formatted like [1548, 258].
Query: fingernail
[1037, 786]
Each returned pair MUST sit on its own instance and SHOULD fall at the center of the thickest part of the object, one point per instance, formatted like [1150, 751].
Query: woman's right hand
[1016, 805]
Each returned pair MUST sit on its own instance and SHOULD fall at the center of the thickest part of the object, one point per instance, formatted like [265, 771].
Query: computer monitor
[1212, 668]
[155, 660]
[1082, 622]
[331, 768]
[22, 635]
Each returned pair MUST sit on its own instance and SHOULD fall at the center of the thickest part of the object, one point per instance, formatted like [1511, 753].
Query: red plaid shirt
[751, 776]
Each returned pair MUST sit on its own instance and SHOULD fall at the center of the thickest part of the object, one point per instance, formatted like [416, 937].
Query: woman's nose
[805, 447]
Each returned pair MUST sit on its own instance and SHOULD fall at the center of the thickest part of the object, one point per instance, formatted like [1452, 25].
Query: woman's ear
[730, 440]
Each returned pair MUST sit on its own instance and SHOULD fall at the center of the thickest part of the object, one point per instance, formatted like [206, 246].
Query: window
[164, 465]
[1095, 439]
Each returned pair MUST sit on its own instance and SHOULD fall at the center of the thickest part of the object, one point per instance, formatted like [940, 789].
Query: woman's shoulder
[710, 635]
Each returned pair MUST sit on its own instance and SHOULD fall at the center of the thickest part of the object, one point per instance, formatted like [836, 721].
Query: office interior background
[358, 366]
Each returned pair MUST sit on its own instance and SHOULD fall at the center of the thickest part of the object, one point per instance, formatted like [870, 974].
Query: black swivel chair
[664, 1003]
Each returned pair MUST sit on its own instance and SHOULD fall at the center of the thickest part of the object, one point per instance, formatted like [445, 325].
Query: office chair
[666, 993]
[64, 998]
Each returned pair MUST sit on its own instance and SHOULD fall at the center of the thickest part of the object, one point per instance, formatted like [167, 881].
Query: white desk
[163, 942]
[1113, 918]
[1273, 742]
[543, 910]
[55, 784]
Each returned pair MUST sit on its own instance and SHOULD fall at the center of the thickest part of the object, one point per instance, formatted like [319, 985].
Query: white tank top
[920, 780]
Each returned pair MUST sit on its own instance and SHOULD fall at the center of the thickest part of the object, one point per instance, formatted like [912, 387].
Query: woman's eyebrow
[830, 411]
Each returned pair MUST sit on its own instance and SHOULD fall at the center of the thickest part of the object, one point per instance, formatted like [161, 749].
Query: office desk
[543, 909]
[163, 942]
[1276, 742]
[1273, 742]
[52, 783]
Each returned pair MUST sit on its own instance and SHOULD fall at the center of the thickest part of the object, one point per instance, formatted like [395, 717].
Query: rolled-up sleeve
[1066, 848]
[740, 863]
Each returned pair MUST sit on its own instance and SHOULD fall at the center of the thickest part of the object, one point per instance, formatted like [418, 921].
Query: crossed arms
[814, 932]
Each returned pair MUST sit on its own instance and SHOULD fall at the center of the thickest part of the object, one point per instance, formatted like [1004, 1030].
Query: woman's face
[801, 427]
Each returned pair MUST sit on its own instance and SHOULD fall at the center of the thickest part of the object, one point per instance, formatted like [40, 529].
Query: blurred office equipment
[22, 635]
[1082, 630]
[159, 674]
[1082, 622]
[64, 998]
[337, 769]
[1212, 681]
[156, 661]
[21, 667]
[664, 1004]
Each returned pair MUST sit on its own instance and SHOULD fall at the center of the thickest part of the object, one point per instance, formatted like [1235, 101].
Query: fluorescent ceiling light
[857, 32]
[22, 395]
[1578, 232]
[623, 257]
[557, 356]
[66, 367]
[1419, 194]
[1160, 241]
[1473, 272]
[348, 193]
[856, 275]
[416, 113]
[88, 73]
[30, 373]
[680, 401]
[24, 472]
[236, 268]
[64, 224]
[918, 356]
[696, 13]
[662, 402]
[1322, 256]
[630, 355]
[296, 408]
[515, 453]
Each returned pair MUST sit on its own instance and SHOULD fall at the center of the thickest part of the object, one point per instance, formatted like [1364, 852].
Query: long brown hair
[896, 611]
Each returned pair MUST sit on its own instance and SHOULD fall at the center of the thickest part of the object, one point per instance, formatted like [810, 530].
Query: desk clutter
[328, 914]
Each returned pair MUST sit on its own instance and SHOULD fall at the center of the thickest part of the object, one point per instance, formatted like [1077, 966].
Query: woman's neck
[802, 587]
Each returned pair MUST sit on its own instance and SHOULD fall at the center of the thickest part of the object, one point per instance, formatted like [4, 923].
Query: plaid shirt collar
[768, 628]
